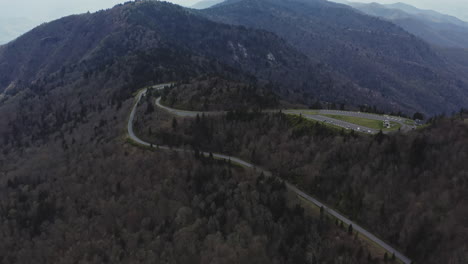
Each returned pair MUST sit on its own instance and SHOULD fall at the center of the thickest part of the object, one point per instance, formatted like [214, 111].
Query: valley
[396, 70]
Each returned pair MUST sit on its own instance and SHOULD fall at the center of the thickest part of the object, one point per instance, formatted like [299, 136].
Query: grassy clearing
[310, 112]
[409, 122]
[394, 127]
[421, 127]
[302, 123]
[369, 123]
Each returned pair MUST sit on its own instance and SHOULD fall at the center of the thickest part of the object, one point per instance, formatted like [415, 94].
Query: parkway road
[246, 164]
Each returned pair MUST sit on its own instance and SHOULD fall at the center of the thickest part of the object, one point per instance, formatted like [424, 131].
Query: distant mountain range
[377, 55]
[436, 28]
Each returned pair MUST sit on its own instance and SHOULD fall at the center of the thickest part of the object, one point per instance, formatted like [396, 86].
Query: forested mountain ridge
[89, 42]
[208, 93]
[429, 14]
[376, 54]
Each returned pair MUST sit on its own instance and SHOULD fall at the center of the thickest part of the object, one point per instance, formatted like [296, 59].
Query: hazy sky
[45, 10]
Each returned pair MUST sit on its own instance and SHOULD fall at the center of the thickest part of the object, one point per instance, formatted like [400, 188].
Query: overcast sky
[45, 10]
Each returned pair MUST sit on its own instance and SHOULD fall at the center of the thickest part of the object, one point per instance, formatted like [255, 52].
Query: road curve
[316, 117]
[246, 164]
[320, 118]
[183, 113]
[136, 139]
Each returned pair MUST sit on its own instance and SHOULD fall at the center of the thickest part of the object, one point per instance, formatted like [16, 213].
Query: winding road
[246, 164]
[136, 139]
[320, 117]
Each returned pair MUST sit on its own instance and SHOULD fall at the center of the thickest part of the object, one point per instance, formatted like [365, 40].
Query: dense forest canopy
[73, 188]
[397, 185]
[211, 93]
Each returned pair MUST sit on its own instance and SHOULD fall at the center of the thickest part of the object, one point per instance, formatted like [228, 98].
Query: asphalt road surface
[356, 227]
[317, 117]
[335, 122]
[382, 118]
[135, 138]
[246, 164]
[183, 113]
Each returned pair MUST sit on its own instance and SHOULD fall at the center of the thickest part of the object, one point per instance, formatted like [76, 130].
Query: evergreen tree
[418, 116]
[174, 123]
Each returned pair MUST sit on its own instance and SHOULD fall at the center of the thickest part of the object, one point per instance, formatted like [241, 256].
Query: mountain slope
[458, 56]
[91, 41]
[376, 54]
[435, 28]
